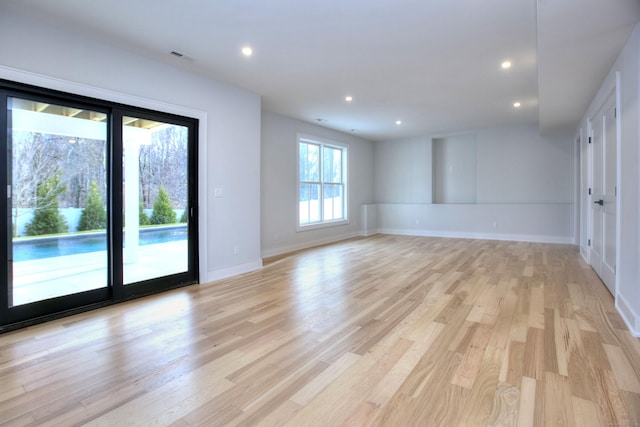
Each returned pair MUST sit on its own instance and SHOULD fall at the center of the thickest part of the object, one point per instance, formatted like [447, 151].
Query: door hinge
[615, 191]
[589, 242]
[589, 191]
[615, 113]
[615, 269]
[589, 140]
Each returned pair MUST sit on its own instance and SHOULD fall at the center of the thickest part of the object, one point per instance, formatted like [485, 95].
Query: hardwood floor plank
[466, 373]
[622, 369]
[356, 381]
[594, 347]
[477, 410]
[526, 403]
[378, 331]
[504, 411]
[606, 396]
[444, 411]
[306, 394]
[512, 367]
[585, 413]
[521, 317]
[563, 340]
[170, 402]
[551, 358]
[280, 415]
[631, 401]
[265, 403]
[536, 309]
[581, 372]
[534, 360]
[558, 404]
[397, 375]
[364, 415]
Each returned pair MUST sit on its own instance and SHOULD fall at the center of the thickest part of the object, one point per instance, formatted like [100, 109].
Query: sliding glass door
[57, 192]
[101, 202]
[158, 200]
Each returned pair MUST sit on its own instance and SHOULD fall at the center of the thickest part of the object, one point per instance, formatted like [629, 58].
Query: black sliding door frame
[14, 316]
[154, 285]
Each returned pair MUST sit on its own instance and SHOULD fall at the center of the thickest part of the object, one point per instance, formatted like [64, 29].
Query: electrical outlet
[236, 250]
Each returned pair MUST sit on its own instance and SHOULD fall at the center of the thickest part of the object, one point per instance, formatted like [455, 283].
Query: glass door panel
[155, 199]
[57, 181]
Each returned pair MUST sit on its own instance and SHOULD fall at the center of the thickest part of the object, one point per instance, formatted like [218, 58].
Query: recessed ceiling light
[506, 64]
[247, 51]
[348, 98]
[516, 104]
[398, 122]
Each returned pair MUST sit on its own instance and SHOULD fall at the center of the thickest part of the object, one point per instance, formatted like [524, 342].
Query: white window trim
[345, 178]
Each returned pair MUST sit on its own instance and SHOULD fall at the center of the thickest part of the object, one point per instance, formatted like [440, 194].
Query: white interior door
[604, 193]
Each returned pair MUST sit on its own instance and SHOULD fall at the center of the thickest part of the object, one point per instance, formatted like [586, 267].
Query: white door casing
[595, 135]
[610, 187]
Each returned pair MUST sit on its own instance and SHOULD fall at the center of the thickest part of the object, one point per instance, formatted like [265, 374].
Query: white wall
[229, 118]
[624, 78]
[527, 222]
[524, 188]
[518, 165]
[279, 166]
[403, 171]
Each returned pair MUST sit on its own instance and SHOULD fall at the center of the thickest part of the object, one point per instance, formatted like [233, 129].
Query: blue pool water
[48, 247]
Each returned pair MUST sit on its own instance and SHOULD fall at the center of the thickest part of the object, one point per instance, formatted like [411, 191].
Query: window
[322, 183]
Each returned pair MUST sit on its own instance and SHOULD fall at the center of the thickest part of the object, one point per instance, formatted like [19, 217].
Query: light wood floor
[386, 330]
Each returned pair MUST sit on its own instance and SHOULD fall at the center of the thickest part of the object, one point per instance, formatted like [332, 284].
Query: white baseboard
[223, 273]
[483, 236]
[305, 245]
[630, 317]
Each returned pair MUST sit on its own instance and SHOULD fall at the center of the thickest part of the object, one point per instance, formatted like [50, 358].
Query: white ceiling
[434, 64]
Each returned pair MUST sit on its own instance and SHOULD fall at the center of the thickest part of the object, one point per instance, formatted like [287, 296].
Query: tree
[163, 212]
[184, 218]
[94, 216]
[36, 156]
[35, 159]
[46, 218]
[163, 163]
[143, 218]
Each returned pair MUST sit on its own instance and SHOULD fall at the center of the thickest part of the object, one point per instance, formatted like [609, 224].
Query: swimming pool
[72, 244]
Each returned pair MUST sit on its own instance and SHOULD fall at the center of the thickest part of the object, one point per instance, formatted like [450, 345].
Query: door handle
[599, 202]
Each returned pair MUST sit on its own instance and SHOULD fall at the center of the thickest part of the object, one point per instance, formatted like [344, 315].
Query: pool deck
[52, 277]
